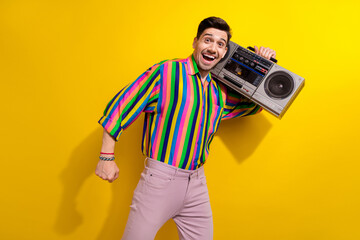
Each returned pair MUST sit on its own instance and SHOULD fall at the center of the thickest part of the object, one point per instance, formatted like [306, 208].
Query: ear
[194, 43]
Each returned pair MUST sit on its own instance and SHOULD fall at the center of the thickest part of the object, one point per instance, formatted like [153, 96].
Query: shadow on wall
[79, 168]
[82, 165]
[241, 136]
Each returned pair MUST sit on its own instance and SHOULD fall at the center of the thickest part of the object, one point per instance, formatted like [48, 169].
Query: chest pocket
[219, 106]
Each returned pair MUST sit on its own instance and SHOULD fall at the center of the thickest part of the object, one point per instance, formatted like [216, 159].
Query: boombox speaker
[259, 79]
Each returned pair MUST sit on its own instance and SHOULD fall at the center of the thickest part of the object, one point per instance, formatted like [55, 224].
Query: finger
[111, 177]
[103, 176]
[273, 54]
[267, 53]
[270, 54]
[261, 51]
[98, 173]
[264, 52]
[256, 49]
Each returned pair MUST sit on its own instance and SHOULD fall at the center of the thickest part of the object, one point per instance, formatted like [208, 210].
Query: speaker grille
[279, 85]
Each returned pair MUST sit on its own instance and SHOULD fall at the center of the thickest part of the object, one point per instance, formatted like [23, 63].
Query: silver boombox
[259, 79]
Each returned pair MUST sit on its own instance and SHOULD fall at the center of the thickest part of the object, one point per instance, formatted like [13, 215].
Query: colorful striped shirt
[182, 113]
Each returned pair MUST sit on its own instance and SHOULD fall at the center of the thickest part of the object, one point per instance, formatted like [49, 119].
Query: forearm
[108, 143]
[107, 169]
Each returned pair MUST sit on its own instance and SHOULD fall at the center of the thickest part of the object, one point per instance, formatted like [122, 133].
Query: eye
[221, 44]
[207, 40]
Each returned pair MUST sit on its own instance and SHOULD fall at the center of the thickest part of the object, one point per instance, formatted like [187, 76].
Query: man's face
[209, 48]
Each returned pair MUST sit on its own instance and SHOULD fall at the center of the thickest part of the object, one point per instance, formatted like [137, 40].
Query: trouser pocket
[157, 179]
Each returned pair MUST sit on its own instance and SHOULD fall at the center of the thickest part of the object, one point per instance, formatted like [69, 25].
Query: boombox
[259, 79]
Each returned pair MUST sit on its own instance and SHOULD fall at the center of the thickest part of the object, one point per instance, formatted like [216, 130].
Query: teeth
[209, 56]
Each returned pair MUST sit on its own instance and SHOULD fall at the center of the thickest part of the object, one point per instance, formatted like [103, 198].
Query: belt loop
[145, 162]
[176, 171]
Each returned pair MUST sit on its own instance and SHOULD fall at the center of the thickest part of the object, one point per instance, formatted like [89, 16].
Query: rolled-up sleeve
[128, 104]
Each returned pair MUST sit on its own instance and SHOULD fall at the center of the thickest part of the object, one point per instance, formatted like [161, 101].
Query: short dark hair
[214, 22]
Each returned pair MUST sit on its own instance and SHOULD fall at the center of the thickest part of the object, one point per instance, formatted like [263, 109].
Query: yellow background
[269, 179]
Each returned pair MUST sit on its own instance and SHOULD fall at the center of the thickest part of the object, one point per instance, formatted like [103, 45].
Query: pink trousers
[165, 192]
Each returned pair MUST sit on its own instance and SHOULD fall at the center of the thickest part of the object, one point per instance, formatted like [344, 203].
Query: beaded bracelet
[107, 159]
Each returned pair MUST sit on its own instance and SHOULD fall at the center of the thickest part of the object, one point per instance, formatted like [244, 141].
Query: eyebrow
[208, 34]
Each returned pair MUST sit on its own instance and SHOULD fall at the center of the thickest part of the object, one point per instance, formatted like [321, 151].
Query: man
[183, 108]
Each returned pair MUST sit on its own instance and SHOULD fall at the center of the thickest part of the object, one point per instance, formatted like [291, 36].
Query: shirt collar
[193, 69]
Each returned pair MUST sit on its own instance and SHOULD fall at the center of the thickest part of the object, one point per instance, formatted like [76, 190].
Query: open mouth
[208, 57]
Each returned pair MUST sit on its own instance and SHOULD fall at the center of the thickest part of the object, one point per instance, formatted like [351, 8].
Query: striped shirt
[182, 113]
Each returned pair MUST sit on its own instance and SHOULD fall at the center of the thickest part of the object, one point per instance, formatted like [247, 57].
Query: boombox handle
[252, 49]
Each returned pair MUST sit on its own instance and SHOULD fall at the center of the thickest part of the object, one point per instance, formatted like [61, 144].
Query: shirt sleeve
[128, 104]
[237, 105]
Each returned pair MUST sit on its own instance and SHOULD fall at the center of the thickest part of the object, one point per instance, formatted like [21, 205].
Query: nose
[212, 48]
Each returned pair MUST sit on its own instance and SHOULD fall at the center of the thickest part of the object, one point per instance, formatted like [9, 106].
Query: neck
[203, 74]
